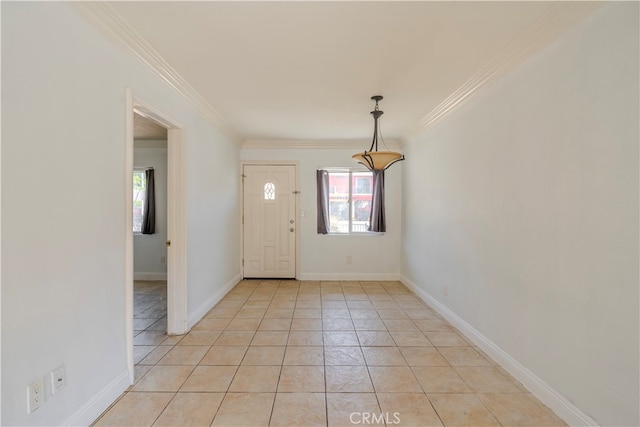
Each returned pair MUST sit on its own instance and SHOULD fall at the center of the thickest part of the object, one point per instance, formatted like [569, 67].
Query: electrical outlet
[35, 395]
[57, 379]
[445, 290]
[349, 259]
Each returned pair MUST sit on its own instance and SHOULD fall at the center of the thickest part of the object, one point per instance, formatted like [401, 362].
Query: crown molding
[560, 17]
[315, 144]
[102, 17]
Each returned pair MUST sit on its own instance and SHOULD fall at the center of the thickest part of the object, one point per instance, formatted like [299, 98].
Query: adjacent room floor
[319, 354]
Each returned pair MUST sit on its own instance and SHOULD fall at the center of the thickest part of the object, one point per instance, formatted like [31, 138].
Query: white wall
[63, 208]
[324, 257]
[524, 203]
[150, 249]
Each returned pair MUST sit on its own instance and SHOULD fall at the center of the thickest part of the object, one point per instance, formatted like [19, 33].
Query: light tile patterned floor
[289, 353]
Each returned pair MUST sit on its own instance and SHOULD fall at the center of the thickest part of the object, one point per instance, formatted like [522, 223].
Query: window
[139, 190]
[349, 201]
[269, 191]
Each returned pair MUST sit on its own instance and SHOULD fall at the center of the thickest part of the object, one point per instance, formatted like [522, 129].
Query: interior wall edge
[95, 406]
[199, 312]
[566, 410]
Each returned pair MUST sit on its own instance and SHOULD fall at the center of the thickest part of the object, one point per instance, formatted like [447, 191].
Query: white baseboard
[209, 303]
[99, 403]
[149, 276]
[566, 410]
[349, 276]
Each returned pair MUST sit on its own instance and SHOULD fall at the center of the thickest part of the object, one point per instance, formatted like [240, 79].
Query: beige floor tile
[463, 356]
[251, 313]
[486, 380]
[307, 313]
[227, 303]
[337, 325]
[305, 338]
[140, 371]
[235, 338]
[358, 313]
[282, 304]
[306, 325]
[306, 301]
[335, 313]
[334, 304]
[149, 338]
[519, 409]
[222, 313]
[383, 356]
[190, 409]
[255, 379]
[410, 339]
[234, 410]
[163, 378]
[343, 356]
[301, 379]
[135, 409]
[369, 325]
[185, 355]
[408, 409]
[432, 325]
[156, 355]
[421, 314]
[375, 338]
[200, 338]
[264, 355]
[279, 313]
[393, 379]
[462, 410]
[440, 379]
[360, 304]
[346, 409]
[173, 340]
[299, 409]
[446, 339]
[257, 303]
[244, 324]
[304, 356]
[224, 355]
[212, 325]
[270, 338]
[403, 325]
[141, 351]
[340, 338]
[392, 314]
[348, 379]
[275, 324]
[209, 379]
[384, 304]
[423, 356]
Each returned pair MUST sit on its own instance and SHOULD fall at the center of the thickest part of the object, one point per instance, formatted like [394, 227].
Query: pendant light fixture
[373, 159]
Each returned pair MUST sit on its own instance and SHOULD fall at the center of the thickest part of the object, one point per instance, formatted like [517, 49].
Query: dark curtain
[376, 219]
[149, 220]
[322, 183]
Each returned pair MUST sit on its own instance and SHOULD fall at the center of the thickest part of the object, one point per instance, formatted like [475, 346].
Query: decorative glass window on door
[269, 191]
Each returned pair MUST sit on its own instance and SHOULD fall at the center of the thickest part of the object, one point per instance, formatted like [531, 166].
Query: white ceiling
[144, 128]
[306, 70]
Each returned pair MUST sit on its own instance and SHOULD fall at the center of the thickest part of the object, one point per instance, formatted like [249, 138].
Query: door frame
[176, 219]
[296, 165]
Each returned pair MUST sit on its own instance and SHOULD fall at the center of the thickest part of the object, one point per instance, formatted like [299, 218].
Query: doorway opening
[156, 286]
[149, 236]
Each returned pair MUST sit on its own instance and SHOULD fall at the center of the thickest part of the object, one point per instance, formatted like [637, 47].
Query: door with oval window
[269, 221]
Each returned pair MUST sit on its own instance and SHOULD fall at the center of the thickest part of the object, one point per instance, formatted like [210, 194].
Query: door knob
[290, 221]
[168, 243]
[291, 229]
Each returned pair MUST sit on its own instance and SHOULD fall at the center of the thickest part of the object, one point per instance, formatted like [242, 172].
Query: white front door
[269, 220]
